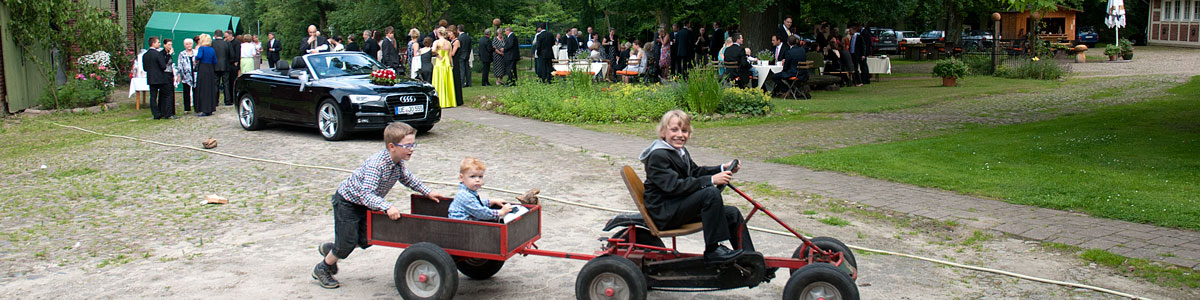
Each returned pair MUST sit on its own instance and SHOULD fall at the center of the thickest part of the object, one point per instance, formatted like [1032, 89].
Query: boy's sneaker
[321, 273]
[324, 250]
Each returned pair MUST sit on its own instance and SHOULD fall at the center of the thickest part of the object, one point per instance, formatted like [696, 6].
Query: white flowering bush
[92, 83]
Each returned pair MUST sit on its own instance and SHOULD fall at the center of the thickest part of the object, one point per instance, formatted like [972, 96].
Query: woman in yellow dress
[443, 76]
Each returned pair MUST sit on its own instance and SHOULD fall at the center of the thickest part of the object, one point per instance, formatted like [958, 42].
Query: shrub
[950, 67]
[1126, 46]
[564, 102]
[76, 93]
[702, 92]
[1030, 69]
[978, 64]
[748, 101]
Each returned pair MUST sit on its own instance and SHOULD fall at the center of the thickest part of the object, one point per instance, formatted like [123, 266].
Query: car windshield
[342, 64]
[932, 34]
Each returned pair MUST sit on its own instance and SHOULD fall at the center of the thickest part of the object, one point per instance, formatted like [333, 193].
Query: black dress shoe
[722, 254]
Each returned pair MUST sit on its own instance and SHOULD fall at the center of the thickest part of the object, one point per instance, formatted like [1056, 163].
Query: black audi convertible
[333, 92]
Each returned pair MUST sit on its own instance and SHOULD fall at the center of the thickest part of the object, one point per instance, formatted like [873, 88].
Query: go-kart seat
[637, 190]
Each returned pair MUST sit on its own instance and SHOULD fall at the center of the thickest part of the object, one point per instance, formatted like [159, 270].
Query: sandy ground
[134, 229]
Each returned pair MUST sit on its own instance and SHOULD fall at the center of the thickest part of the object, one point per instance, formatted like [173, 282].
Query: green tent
[180, 26]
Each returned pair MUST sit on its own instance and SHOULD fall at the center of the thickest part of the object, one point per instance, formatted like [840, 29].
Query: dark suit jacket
[684, 42]
[545, 45]
[464, 47]
[353, 46]
[304, 46]
[221, 49]
[272, 49]
[781, 33]
[485, 50]
[794, 57]
[371, 47]
[510, 48]
[783, 50]
[572, 43]
[391, 57]
[717, 41]
[154, 62]
[867, 36]
[861, 46]
[669, 178]
[235, 54]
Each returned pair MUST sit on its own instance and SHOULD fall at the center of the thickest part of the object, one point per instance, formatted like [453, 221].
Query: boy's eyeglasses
[405, 146]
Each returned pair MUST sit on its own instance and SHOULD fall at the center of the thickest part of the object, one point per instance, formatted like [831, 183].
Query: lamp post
[995, 40]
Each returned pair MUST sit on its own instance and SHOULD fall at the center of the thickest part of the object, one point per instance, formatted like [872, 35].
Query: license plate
[411, 109]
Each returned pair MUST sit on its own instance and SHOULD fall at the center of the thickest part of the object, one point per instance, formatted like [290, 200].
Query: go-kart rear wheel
[820, 281]
[610, 277]
[478, 268]
[826, 243]
[425, 271]
[644, 237]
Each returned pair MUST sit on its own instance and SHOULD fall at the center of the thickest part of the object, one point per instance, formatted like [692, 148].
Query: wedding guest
[206, 78]
[184, 71]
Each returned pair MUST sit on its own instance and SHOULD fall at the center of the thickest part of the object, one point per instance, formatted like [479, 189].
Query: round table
[764, 69]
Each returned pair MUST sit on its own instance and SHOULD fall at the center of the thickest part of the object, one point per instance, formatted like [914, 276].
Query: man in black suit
[511, 56]
[735, 53]
[778, 48]
[783, 31]
[370, 46]
[543, 52]
[571, 42]
[674, 52]
[314, 43]
[791, 64]
[221, 49]
[272, 49]
[717, 41]
[154, 62]
[462, 58]
[685, 43]
[234, 55]
[391, 56]
[485, 56]
[859, 45]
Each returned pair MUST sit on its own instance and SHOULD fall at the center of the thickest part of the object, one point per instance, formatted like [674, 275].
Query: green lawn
[28, 135]
[1135, 162]
[895, 94]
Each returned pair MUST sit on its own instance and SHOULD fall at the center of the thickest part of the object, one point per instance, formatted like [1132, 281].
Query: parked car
[907, 38]
[333, 93]
[933, 36]
[883, 39]
[977, 40]
[1087, 35]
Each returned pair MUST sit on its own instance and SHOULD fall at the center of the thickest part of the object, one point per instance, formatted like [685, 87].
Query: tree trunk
[954, 22]
[757, 27]
[663, 17]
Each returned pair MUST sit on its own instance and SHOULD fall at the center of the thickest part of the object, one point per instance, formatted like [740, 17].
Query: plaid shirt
[371, 182]
[468, 205]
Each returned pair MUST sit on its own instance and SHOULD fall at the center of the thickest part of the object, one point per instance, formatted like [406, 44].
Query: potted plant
[1126, 49]
[1112, 51]
[765, 56]
[1080, 52]
[950, 70]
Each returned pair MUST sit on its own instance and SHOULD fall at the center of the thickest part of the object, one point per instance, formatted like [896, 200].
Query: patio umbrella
[1116, 17]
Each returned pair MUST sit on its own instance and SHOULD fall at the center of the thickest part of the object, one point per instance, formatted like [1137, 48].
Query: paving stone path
[1175, 246]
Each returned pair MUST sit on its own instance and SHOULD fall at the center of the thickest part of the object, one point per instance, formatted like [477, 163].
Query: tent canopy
[179, 26]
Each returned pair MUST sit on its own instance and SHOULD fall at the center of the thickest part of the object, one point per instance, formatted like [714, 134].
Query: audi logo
[408, 99]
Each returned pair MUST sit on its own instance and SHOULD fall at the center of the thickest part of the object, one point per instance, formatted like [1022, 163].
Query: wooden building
[1174, 23]
[1058, 25]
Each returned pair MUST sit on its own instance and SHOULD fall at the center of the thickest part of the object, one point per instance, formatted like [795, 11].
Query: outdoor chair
[637, 191]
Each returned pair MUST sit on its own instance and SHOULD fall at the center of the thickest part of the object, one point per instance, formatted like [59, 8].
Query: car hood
[362, 83]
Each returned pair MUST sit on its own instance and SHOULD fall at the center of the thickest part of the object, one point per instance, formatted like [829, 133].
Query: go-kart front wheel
[820, 281]
[610, 277]
[425, 271]
[827, 244]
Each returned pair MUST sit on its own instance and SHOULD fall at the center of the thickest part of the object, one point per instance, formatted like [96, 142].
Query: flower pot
[1080, 58]
[948, 81]
[1127, 56]
[1112, 57]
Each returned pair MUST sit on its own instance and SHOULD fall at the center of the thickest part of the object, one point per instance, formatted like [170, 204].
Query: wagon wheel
[826, 243]
[644, 237]
[610, 277]
[425, 271]
[478, 268]
[820, 281]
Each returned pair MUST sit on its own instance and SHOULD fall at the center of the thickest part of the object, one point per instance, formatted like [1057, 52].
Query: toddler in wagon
[467, 204]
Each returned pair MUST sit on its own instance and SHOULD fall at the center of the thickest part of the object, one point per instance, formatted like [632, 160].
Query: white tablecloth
[764, 69]
[879, 65]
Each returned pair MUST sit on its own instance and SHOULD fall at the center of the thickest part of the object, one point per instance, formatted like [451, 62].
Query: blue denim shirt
[468, 206]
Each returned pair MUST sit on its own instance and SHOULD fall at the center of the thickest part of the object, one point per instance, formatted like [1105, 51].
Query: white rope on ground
[592, 206]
